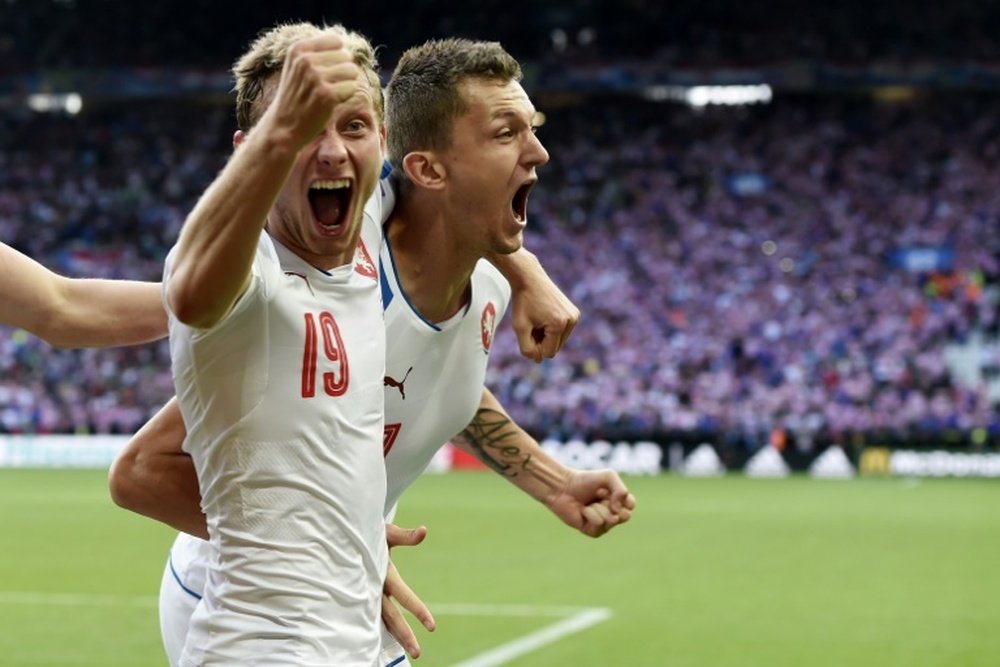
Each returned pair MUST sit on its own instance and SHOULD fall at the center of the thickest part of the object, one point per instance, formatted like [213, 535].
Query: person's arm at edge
[592, 501]
[153, 476]
[542, 315]
[77, 312]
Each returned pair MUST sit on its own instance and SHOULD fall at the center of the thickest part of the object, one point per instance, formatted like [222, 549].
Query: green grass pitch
[720, 572]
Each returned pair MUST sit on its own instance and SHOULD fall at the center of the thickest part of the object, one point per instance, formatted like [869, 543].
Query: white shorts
[177, 603]
[179, 599]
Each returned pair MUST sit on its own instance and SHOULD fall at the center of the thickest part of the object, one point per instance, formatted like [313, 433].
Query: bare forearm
[77, 312]
[496, 440]
[215, 251]
[170, 478]
[519, 267]
[154, 477]
[108, 312]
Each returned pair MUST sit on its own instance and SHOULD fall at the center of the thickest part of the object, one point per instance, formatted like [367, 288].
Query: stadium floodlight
[700, 96]
[70, 103]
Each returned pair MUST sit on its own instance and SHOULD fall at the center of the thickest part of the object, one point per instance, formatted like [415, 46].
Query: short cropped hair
[266, 57]
[424, 99]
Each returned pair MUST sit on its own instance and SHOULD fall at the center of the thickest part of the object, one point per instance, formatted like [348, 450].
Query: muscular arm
[542, 315]
[214, 255]
[77, 312]
[592, 501]
[153, 476]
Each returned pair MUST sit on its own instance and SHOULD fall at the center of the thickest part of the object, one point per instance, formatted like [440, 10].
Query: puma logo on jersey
[304, 278]
[388, 381]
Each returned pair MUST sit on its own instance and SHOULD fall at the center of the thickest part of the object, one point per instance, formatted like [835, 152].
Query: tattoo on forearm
[489, 435]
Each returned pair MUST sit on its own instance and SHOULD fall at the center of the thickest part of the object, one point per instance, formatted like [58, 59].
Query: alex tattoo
[489, 435]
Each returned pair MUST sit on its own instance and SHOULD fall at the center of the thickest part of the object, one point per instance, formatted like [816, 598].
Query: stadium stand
[825, 266]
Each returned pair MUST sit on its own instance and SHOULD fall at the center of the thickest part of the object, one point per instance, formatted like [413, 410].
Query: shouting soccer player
[462, 143]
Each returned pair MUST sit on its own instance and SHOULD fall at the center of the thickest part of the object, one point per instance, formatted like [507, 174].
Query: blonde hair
[266, 57]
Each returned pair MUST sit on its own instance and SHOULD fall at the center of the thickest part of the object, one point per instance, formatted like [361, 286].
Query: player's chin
[511, 242]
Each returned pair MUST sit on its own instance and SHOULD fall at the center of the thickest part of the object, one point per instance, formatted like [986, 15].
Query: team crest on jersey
[363, 263]
[487, 324]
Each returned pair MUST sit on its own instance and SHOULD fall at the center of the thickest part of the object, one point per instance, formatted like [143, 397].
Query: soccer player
[77, 312]
[449, 100]
[277, 355]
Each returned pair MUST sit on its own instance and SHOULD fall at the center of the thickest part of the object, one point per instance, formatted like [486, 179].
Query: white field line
[504, 653]
[577, 618]
[461, 609]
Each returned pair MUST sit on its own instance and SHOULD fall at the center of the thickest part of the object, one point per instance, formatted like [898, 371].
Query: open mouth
[329, 201]
[519, 204]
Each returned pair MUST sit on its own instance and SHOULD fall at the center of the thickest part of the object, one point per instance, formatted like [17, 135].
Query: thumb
[404, 537]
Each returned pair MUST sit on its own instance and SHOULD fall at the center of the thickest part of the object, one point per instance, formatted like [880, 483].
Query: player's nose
[535, 154]
[332, 150]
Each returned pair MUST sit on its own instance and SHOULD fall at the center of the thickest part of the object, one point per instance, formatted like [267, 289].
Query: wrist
[516, 267]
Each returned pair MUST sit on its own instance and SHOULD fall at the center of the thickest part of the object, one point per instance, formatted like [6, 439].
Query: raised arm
[214, 255]
[543, 317]
[592, 501]
[77, 312]
[153, 476]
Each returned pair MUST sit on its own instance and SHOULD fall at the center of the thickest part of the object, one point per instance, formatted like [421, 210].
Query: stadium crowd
[54, 34]
[735, 267]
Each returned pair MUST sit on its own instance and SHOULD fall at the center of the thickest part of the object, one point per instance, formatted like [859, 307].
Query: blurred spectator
[736, 268]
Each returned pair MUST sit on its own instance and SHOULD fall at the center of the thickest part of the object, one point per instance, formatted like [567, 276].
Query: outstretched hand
[593, 502]
[396, 593]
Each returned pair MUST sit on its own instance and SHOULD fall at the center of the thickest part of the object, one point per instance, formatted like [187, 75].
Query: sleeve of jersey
[498, 287]
[264, 274]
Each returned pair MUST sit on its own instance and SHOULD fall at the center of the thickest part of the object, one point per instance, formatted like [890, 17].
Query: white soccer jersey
[283, 402]
[434, 373]
[424, 407]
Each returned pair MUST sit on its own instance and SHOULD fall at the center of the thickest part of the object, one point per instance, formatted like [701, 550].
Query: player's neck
[433, 270]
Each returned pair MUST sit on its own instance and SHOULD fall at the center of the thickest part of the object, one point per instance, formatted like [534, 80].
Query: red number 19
[334, 383]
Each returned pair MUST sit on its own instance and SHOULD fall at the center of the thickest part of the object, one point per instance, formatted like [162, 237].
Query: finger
[398, 589]
[324, 42]
[527, 341]
[550, 345]
[395, 623]
[567, 330]
[629, 502]
[404, 537]
[343, 90]
[538, 338]
[596, 514]
[618, 497]
[412, 603]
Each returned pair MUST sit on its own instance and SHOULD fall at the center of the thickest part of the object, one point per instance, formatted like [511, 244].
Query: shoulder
[486, 278]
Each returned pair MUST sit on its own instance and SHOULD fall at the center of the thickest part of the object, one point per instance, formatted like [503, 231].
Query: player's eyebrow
[511, 113]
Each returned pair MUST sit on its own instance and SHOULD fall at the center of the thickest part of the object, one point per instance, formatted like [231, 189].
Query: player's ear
[238, 138]
[424, 170]
[382, 140]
